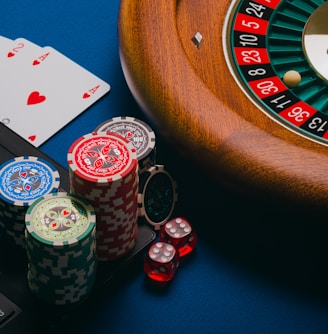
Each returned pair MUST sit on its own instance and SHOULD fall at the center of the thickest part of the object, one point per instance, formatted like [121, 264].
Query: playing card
[47, 92]
[5, 43]
[14, 51]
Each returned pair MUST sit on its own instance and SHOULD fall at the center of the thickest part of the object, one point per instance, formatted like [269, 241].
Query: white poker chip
[139, 133]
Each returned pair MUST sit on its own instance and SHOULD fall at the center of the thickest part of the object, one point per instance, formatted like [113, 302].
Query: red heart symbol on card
[86, 95]
[10, 54]
[35, 62]
[24, 175]
[129, 134]
[65, 212]
[32, 138]
[35, 98]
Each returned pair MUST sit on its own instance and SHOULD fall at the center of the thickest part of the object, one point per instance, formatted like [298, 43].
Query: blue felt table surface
[255, 269]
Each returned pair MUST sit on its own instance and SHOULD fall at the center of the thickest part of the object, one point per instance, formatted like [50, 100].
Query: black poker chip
[157, 196]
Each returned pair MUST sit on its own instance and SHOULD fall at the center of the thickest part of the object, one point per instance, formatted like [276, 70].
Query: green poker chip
[60, 219]
[61, 248]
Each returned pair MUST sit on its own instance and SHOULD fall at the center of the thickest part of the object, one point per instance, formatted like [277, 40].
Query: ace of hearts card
[42, 90]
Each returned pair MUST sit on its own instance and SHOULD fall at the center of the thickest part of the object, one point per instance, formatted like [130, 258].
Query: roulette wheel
[238, 87]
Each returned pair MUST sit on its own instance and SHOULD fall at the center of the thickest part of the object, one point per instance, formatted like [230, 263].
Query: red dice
[179, 233]
[161, 262]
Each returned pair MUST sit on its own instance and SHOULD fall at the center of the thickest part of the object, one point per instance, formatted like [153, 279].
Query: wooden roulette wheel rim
[196, 104]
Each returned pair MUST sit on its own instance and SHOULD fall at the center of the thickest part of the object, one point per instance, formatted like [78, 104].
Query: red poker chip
[117, 232]
[116, 247]
[114, 225]
[114, 251]
[121, 203]
[113, 236]
[102, 157]
[109, 206]
[115, 239]
[102, 194]
[118, 184]
[104, 170]
[120, 227]
[112, 221]
[106, 197]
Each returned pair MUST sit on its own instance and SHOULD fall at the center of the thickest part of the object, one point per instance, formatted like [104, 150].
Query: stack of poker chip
[138, 133]
[103, 168]
[23, 180]
[61, 248]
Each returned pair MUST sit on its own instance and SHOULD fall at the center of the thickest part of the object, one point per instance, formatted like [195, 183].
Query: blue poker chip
[24, 179]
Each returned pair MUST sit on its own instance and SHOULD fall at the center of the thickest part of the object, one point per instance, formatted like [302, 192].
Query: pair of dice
[176, 239]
